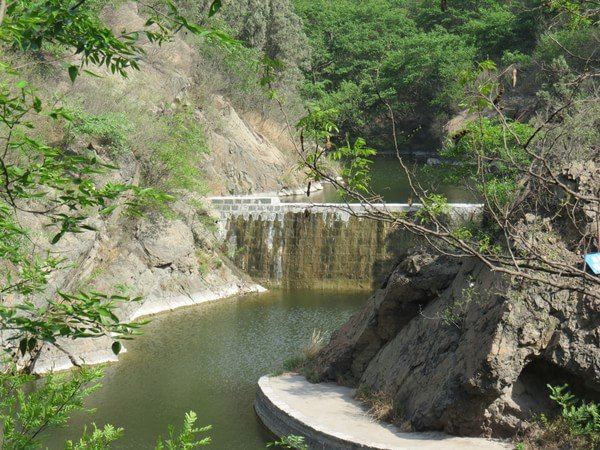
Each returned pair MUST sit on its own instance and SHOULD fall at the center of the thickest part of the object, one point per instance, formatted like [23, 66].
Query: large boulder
[465, 350]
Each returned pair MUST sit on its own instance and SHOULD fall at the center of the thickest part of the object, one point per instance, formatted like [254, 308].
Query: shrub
[111, 129]
[301, 362]
[177, 155]
[381, 406]
[577, 427]
[291, 441]
[583, 419]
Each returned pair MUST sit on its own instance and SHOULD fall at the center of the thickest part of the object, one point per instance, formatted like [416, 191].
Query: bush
[577, 427]
[291, 441]
[177, 154]
[111, 129]
[380, 404]
[501, 150]
[301, 362]
[583, 419]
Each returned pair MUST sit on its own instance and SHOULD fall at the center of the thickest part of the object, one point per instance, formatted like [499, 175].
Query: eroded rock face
[463, 350]
[166, 241]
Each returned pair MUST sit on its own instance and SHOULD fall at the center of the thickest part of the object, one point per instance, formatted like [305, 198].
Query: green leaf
[116, 347]
[31, 343]
[73, 72]
[93, 74]
[23, 346]
[57, 237]
[214, 8]
[37, 104]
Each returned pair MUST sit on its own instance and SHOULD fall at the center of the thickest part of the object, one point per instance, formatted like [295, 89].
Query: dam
[316, 245]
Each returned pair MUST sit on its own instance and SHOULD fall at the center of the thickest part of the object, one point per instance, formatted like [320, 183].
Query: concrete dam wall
[311, 245]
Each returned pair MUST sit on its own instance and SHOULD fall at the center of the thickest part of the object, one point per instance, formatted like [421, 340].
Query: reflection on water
[208, 359]
[389, 180]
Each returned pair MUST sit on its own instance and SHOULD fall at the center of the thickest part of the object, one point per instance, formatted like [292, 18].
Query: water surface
[208, 359]
[389, 181]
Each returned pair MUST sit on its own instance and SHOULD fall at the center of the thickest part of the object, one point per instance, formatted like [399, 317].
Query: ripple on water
[208, 358]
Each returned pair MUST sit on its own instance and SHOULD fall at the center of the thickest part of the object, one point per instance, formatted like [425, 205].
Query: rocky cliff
[465, 350]
[170, 127]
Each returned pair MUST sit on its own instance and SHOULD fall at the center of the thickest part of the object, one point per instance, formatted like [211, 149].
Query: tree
[63, 188]
[538, 180]
[384, 48]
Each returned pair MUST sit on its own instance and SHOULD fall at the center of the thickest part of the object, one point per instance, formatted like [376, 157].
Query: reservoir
[208, 359]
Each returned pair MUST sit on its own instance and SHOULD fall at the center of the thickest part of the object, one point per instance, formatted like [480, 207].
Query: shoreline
[153, 306]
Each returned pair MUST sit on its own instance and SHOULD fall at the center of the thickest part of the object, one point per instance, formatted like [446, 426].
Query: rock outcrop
[465, 350]
[243, 160]
[168, 263]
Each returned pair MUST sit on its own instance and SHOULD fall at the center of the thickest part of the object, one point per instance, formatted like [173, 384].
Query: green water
[208, 359]
[389, 181]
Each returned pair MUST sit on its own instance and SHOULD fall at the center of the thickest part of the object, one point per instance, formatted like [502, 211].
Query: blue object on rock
[593, 262]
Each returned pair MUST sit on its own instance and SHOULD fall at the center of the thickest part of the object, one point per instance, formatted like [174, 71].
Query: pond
[208, 359]
[389, 180]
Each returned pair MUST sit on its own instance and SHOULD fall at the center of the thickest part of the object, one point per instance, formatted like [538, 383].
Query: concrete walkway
[329, 417]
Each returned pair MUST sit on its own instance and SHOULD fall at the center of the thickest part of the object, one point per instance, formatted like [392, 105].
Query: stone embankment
[328, 416]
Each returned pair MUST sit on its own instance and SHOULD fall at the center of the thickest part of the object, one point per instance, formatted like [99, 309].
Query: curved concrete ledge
[158, 305]
[329, 418]
[100, 351]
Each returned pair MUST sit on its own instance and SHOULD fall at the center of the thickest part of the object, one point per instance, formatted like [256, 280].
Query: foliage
[61, 188]
[271, 27]
[186, 439]
[489, 154]
[581, 417]
[98, 439]
[577, 426]
[319, 126]
[356, 171]
[177, 157]
[422, 72]
[433, 206]
[381, 405]
[29, 407]
[25, 413]
[522, 141]
[291, 441]
[275, 51]
[409, 54]
[111, 129]
[455, 313]
[301, 362]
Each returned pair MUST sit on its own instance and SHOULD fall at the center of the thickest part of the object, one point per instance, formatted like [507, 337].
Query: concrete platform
[329, 418]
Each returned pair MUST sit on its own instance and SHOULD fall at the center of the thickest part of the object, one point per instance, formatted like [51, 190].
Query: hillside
[192, 122]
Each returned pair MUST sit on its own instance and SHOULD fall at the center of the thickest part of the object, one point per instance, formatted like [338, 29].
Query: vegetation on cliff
[65, 186]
